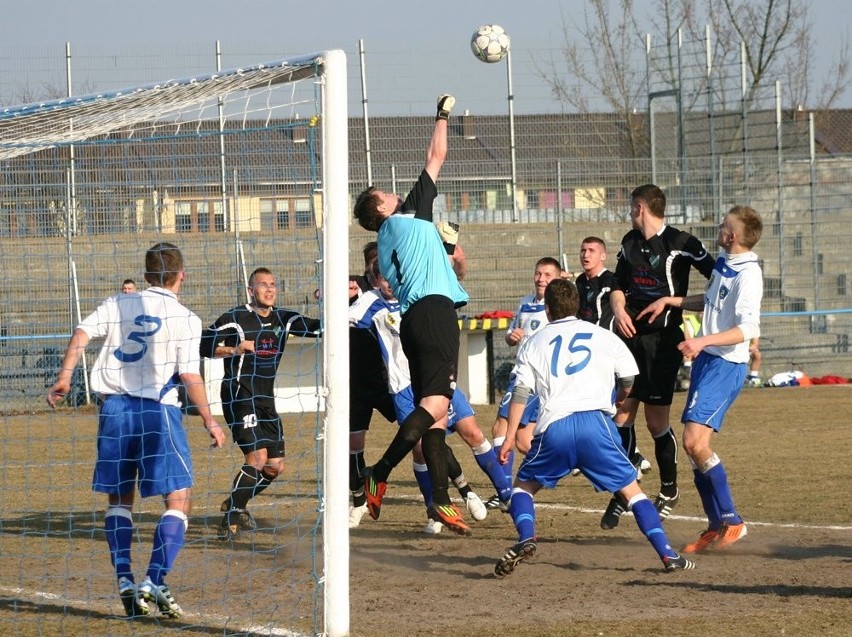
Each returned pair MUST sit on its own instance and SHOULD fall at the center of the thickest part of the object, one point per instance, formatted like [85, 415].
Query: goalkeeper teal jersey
[411, 254]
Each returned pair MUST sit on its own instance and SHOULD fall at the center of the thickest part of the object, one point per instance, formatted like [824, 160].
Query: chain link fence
[522, 187]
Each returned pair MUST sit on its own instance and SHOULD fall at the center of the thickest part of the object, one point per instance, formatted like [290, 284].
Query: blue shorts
[588, 441]
[530, 411]
[713, 387]
[459, 407]
[141, 439]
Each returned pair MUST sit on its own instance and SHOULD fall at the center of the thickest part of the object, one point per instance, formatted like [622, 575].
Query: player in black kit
[594, 284]
[654, 261]
[251, 339]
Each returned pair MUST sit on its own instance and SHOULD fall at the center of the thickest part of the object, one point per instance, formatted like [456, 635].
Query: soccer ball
[490, 43]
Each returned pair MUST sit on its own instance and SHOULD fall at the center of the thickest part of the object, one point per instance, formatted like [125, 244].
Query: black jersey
[252, 375]
[648, 270]
[594, 299]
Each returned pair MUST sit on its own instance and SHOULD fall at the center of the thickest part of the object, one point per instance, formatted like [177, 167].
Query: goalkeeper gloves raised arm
[449, 235]
[445, 105]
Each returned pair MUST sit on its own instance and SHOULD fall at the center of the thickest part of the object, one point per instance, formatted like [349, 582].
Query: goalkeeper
[413, 259]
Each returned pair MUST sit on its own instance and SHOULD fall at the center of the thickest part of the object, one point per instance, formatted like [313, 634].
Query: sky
[414, 50]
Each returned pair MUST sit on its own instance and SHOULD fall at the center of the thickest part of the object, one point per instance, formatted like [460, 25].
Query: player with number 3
[150, 346]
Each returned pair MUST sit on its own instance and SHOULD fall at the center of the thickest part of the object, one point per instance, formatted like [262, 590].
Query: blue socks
[168, 541]
[718, 479]
[509, 466]
[490, 465]
[705, 492]
[648, 521]
[522, 510]
[421, 474]
[118, 525]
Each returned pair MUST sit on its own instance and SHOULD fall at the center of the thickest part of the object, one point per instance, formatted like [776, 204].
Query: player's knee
[272, 470]
[470, 433]
[498, 429]
[696, 449]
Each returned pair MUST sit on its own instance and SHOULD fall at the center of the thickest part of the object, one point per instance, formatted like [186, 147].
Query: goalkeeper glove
[449, 235]
[445, 105]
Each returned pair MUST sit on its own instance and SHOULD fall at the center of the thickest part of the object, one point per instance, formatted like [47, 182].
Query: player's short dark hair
[652, 196]
[373, 273]
[163, 263]
[255, 272]
[594, 240]
[561, 299]
[371, 253]
[128, 282]
[752, 224]
[367, 210]
[549, 261]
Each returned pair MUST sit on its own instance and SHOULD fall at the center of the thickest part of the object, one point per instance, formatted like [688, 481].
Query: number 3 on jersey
[138, 337]
[579, 355]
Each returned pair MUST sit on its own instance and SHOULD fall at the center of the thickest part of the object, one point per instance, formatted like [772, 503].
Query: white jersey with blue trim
[732, 299]
[149, 338]
[530, 317]
[413, 259]
[572, 365]
[374, 312]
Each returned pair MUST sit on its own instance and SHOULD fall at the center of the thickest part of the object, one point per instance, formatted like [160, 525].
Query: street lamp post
[511, 99]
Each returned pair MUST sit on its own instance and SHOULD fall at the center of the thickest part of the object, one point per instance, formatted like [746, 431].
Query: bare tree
[603, 60]
[778, 44]
[615, 74]
[49, 90]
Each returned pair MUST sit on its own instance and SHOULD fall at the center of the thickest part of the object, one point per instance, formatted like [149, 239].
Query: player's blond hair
[752, 225]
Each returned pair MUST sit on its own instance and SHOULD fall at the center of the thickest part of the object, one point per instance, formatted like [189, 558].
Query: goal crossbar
[42, 125]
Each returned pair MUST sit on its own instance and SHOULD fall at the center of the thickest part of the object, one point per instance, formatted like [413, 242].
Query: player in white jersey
[150, 346]
[731, 305]
[379, 311]
[529, 318]
[574, 367]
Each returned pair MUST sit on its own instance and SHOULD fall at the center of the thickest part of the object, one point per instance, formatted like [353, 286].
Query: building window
[304, 213]
[183, 216]
[199, 216]
[286, 213]
[798, 245]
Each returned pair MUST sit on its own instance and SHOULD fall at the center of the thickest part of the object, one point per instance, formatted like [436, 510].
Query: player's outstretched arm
[436, 153]
[76, 347]
[197, 393]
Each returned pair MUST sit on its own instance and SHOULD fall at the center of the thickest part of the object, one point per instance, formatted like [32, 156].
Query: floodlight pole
[511, 99]
[223, 175]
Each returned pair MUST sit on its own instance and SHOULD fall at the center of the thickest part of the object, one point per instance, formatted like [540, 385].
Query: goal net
[240, 169]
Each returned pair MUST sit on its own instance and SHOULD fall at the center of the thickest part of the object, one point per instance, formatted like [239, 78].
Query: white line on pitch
[779, 525]
[540, 505]
[84, 604]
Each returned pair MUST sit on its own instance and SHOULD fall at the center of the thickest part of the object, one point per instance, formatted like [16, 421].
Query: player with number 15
[574, 368]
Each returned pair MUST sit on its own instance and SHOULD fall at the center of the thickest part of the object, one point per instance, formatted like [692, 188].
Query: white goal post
[240, 168]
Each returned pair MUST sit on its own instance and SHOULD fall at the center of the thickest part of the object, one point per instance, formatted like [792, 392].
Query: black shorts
[429, 333]
[364, 401]
[659, 360]
[255, 426]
